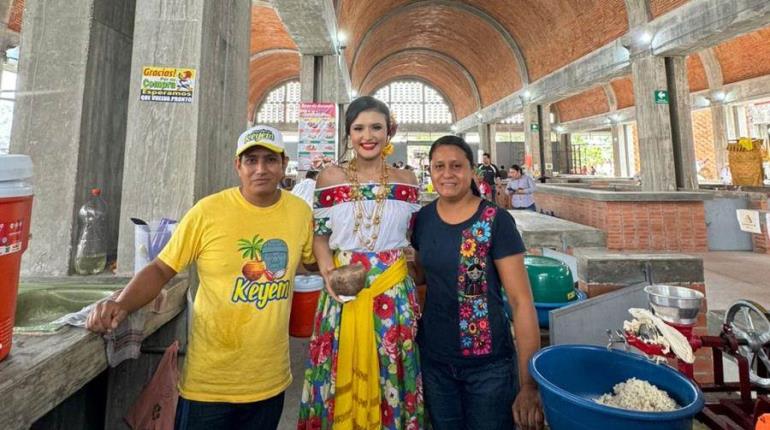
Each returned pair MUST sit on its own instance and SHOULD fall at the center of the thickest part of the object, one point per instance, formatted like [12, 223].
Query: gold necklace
[367, 224]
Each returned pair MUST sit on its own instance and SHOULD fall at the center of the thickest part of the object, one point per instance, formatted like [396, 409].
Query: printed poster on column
[167, 84]
[317, 144]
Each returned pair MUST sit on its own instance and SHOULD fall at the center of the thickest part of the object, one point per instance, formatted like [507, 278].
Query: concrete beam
[599, 122]
[612, 101]
[606, 63]
[750, 89]
[311, 23]
[313, 26]
[690, 28]
[712, 68]
[638, 12]
[699, 24]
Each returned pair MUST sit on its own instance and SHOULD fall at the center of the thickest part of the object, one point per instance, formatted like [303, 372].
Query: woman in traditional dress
[363, 367]
[468, 251]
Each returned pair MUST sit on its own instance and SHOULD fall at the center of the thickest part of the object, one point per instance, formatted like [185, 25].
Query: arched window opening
[281, 106]
[413, 102]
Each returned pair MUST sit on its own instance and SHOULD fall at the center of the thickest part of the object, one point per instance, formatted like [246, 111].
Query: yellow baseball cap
[260, 135]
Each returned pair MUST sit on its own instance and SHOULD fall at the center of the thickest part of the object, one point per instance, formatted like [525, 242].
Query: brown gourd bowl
[347, 280]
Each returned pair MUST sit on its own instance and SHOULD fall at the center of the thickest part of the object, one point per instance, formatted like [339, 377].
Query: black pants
[265, 414]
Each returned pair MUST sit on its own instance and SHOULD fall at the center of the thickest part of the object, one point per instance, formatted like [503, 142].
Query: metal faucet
[616, 336]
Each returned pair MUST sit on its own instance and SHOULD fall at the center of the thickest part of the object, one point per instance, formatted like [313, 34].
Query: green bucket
[550, 279]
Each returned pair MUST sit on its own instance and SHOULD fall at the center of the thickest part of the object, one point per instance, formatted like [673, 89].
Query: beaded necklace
[367, 224]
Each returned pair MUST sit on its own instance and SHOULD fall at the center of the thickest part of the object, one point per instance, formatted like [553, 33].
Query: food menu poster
[317, 146]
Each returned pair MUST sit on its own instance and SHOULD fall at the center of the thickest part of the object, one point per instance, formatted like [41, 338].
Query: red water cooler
[15, 213]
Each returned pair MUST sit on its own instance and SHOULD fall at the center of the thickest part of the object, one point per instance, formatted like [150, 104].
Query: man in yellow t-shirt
[246, 242]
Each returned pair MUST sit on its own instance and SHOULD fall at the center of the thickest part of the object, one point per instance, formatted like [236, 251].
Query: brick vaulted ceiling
[448, 30]
[474, 52]
[274, 55]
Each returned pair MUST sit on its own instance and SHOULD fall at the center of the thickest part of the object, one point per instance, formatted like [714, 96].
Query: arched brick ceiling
[274, 55]
[660, 7]
[434, 70]
[550, 34]
[268, 31]
[267, 73]
[696, 74]
[624, 91]
[588, 103]
[745, 57]
[450, 31]
[14, 18]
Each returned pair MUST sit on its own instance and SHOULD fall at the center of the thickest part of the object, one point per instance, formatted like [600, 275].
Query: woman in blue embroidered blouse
[468, 250]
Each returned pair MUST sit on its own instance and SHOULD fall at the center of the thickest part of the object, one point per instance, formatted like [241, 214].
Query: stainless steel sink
[38, 306]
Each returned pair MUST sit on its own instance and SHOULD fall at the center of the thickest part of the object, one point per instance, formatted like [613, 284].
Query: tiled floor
[736, 275]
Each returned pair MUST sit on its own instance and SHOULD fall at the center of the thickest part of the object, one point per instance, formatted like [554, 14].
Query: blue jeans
[265, 414]
[470, 398]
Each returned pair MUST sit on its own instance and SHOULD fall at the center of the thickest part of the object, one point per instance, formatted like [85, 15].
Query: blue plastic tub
[544, 308]
[571, 376]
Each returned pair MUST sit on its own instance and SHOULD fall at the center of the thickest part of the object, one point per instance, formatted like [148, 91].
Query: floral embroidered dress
[395, 312]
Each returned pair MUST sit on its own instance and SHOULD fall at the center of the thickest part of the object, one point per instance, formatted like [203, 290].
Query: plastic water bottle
[91, 253]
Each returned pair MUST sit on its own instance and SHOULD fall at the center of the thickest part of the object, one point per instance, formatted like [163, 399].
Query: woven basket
[746, 167]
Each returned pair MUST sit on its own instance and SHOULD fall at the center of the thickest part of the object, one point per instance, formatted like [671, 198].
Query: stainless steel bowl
[676, 305]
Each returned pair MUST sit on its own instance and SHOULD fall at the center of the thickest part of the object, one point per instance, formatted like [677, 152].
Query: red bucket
[15, 214]
[304, 303]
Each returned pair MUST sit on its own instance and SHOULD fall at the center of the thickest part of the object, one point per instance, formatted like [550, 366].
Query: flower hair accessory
[388, 149]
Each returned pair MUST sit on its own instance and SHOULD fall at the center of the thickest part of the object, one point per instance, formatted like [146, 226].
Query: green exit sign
[534, 126]
[661, 97]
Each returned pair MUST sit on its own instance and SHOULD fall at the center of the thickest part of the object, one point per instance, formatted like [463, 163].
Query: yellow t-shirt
[246, 257]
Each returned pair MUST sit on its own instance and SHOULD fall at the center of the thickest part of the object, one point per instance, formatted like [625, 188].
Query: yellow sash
[357, 394]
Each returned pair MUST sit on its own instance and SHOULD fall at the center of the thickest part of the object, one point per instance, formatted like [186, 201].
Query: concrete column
[320, 82]
[656, 147]
[72, 119]
[565, 153]
[545, 132]
[630, 158]
[681, 124]
[532, 139]
[492, 137]
[487, 140]
[319, 79]
[178, 153]
[615, 131]
[719, 130]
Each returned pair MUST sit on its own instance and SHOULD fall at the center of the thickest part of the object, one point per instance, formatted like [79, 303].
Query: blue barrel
[571, 376]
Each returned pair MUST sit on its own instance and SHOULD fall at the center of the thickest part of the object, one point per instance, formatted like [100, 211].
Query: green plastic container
[550, 279]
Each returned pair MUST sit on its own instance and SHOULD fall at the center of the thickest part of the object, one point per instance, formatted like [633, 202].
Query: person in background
[246, 243]
[489, 173]
[306, 187]
[482, 185]
[468, 251]
[502, 173]
[520, 187]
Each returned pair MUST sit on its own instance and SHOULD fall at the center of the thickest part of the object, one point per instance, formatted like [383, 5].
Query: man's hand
[527, 410]
[106, 316]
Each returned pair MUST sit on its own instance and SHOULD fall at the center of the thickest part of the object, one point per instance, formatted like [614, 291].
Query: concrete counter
[544, 231]
[42, 371]
[623, 196]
